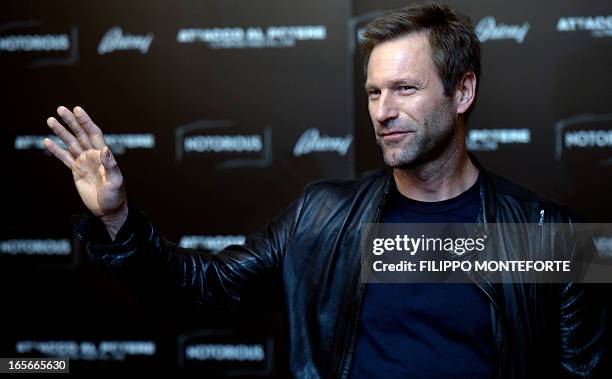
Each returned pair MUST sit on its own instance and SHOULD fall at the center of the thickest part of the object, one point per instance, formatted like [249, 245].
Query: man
[423, 66]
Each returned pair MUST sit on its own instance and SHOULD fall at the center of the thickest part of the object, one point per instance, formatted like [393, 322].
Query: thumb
[110, 165]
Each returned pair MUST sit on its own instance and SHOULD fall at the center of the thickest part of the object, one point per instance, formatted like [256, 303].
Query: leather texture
[312, 250]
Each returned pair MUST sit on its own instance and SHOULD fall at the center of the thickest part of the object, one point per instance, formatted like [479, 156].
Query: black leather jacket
[313, 247]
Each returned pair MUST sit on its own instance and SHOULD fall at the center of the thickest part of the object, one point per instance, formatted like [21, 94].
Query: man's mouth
[394, 135]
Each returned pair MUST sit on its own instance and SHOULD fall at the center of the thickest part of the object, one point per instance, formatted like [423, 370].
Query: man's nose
[386, 108]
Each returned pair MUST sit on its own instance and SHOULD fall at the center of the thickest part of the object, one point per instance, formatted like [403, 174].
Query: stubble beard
[430, 139]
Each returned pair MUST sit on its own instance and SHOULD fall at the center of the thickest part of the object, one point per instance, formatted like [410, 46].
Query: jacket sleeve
[583, 318]
[140, 257]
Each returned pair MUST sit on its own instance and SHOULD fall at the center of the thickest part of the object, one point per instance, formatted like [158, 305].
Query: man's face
[412, 118]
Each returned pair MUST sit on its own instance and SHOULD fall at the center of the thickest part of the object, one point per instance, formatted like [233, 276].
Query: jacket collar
[487, 190]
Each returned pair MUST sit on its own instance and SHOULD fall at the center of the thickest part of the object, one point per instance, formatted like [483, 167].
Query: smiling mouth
[394, 135]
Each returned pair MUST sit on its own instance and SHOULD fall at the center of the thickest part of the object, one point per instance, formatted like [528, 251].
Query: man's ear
[466, 92]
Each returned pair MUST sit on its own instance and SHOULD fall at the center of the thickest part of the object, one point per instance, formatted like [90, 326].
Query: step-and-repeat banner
[219, 113]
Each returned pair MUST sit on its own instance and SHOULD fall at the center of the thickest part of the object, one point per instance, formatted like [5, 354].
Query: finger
[71, 143]
[110, 165]
[58, 152]
[95, 134]
[73, 124]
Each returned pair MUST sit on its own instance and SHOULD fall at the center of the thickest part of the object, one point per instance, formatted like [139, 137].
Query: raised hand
[94, 168]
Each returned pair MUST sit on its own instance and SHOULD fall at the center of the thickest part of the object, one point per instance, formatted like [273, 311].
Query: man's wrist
[114, 222]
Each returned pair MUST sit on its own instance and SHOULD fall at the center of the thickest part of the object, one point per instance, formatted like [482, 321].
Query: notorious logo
[40, 252]
[28, 40]
[35, 247]
[226, 352]
[585, 137]
[219, 139]
[583, 148]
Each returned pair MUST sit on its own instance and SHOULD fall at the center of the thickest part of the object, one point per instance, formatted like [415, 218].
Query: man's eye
[373, 93]
[406, 88]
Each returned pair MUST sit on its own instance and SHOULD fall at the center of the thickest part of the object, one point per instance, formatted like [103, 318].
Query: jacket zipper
[502, 350]
[346, 363]
[480, 285]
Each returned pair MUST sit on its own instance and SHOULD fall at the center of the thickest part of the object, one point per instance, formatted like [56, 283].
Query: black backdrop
[219, 113]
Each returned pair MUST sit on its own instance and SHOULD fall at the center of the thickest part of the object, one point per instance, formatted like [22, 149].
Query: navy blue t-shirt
[423, 330]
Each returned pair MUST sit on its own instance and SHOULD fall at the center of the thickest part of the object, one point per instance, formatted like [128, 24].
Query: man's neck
[451, 174]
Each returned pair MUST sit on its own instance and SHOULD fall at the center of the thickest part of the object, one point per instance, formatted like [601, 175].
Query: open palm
[94, 169]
